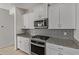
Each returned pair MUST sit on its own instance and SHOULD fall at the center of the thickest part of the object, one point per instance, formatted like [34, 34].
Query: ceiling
[26, 5]
[8, 6]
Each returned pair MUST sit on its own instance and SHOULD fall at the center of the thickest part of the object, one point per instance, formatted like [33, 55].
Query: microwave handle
[43, 22]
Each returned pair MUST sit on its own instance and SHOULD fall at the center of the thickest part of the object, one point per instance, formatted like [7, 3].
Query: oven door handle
[38, 45]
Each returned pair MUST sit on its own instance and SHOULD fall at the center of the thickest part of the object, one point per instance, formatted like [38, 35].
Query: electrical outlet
[65, 33]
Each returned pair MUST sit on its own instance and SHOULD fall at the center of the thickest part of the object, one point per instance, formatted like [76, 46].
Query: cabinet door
[26, 21]
[35, 14]
[20, 43]
[53, 17]
[31, 21]
[40, 11]
[70, 51]
[43, 11]
[23, 44]
[67, 16]
[27, 45]
[51, 49]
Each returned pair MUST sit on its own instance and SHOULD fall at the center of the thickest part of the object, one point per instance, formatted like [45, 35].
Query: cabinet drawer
[70, 51]
[53, 51]
[61, 50]
[19, 38]
[53, 46]
[49, 52]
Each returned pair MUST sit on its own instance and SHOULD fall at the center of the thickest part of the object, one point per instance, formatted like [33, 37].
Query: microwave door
[35, 24]
[41, 24]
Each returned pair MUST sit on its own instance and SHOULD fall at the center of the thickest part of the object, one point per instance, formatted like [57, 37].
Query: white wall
[19, 21]
[6, 29]
[76, 32]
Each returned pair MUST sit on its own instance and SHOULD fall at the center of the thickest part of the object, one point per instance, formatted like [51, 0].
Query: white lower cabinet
[27, 45]
[70, 51]
[52, 49]
[23, 44]
[19, 43]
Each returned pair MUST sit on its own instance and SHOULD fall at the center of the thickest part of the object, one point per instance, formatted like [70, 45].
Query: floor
[11, 51]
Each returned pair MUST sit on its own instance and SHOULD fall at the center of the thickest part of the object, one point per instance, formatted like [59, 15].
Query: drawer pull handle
[60, 48]
[60, 54]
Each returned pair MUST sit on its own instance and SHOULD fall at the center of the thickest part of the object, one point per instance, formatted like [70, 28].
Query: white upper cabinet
[62, 16]
[25, 21]
[31, 21]
[67, 16]
[40, 12]
[43, 11]
[37, 13]
[53, 17]
[28, 21]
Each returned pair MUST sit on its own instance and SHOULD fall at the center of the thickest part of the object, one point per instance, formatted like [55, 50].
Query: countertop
[24, 35]
[63, 42]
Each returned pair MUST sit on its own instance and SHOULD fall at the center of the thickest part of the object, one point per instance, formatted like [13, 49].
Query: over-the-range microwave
[41, 24]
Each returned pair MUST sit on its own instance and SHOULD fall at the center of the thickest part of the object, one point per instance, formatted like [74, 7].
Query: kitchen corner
[48, 30]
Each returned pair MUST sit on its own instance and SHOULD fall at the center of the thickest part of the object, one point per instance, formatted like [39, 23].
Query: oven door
[37, 47]
[37, 50]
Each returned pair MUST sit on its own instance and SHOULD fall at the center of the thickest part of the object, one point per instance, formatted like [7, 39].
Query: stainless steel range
[38, 44]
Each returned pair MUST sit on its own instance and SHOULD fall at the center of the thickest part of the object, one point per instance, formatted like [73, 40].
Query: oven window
[38, 50]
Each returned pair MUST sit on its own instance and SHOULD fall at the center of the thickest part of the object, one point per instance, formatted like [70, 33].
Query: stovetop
[41, 37]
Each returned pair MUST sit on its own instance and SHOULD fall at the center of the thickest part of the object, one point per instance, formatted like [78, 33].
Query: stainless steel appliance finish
[38, 44]
[41, 24]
